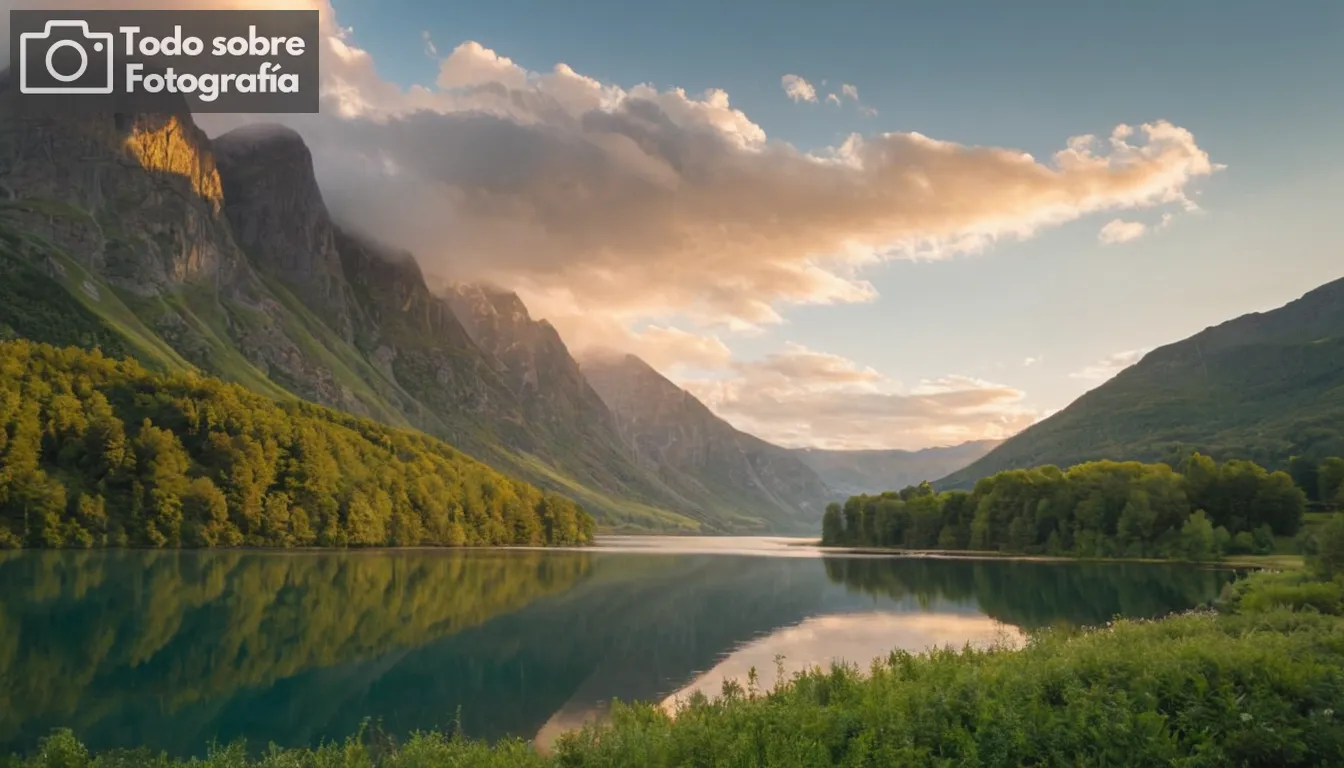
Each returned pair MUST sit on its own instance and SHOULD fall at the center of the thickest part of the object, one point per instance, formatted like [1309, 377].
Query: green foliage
[1330, 479]
[1330, 548]
[1257, 683]
[1100, 509]
[101, 452]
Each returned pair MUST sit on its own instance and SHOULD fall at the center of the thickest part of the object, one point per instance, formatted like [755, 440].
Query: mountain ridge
[1263, 386]
[221, 255]
[698, 453]
[853, 472]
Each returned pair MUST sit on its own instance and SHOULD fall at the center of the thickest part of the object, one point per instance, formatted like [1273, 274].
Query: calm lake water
[176, 649]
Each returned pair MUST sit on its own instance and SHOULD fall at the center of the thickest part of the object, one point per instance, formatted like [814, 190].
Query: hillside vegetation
[96, 451]
[1098, 509]
[1263, 387]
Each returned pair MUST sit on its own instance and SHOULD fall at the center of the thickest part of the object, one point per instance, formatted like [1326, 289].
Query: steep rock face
[143, 215]
[147, 182]
[701, 455]
[413, 337]
[536, 364]
[556, 398]
[1264, 386]
[272, 200]
[854, 472]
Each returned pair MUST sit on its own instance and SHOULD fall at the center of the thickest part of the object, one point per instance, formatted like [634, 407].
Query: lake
[176, 649]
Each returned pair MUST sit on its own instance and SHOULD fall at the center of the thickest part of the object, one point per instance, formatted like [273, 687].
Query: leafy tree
[1331, 482]
[1306, 475]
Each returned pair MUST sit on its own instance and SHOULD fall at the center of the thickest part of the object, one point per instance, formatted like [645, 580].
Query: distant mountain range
[1264, 386]
[220, 255]
[854, 472]
[734, 475]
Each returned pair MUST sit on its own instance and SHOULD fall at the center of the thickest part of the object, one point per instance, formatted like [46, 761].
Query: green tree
[1197, 540]
[1306, 475]
[832, 526]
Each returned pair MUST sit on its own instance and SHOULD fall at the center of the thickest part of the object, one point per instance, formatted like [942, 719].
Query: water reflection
[846, 639]
[173, 650]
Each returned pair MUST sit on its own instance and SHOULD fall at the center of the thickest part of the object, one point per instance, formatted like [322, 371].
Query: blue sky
[1256, 84]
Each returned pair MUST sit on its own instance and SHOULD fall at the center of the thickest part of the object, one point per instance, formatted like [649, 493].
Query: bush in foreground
[1257, 684]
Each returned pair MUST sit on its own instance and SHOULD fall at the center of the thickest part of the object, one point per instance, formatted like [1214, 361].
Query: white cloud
[798, 89]
[1121, 231]
[430, 50]
[802, 397]
[831, 98]
[1030, 361]
[1109, 366]
[852, 91]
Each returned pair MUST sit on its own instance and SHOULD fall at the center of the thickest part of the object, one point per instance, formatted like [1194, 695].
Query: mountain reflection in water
[173, 650]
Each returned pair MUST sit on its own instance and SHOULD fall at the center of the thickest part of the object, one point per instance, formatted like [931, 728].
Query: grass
[1257, 682]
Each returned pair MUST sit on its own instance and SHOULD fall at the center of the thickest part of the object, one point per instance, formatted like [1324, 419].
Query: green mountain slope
[1264, 387]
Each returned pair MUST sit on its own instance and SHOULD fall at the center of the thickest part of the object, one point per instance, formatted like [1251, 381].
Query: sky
[849, 224]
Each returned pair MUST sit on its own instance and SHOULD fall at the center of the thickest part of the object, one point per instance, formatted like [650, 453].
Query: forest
[100, 452]
[1098, 509]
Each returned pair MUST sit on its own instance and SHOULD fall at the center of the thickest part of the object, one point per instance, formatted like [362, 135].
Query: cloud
[1121, 231]
[802, 397]
[1107, 367]
[430, 50]
[1030, 361]
[798, 89]
[831, 98]
[658, 205]
[851, 91]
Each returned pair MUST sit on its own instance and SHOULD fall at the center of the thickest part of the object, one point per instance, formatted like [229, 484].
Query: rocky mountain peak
[272, 199]
[147, 182]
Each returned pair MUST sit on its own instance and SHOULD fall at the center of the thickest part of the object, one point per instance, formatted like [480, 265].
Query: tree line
[1097, 509]
[1321, 481]
[100, 452]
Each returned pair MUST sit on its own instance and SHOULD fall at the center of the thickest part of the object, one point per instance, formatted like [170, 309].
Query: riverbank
[1271, 562]
[1255, 682]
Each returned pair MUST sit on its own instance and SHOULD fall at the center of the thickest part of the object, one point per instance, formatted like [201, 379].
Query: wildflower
[1328, 712]
[1246, 717]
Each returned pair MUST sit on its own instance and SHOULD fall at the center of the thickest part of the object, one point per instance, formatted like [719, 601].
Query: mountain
[741, 478]
[850, 473]
[1264, 386]
[558, 404]
[221, 256]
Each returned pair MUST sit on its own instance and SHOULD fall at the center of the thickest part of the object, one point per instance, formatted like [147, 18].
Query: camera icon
[37, 59]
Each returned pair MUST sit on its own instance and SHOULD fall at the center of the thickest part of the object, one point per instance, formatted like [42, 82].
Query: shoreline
[1277, 560]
